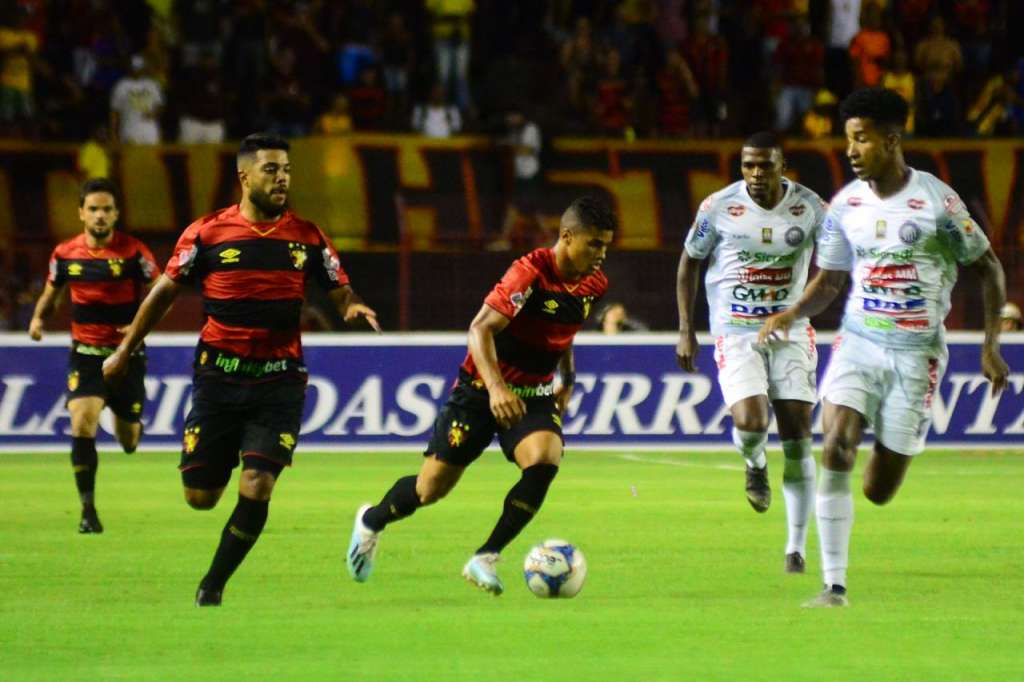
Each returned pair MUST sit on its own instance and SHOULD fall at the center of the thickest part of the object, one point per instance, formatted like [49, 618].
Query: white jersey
[758, 258]
[902, 252]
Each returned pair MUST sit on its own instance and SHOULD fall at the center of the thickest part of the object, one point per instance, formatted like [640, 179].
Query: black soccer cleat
[207, 597]
[795, 563]
[759, 493]
[90, 522]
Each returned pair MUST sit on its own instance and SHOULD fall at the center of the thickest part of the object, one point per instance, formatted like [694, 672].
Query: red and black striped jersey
[546, 312]
[106, 284]
[252, 277]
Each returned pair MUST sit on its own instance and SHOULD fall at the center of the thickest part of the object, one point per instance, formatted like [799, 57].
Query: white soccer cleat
[480, 571]
[831, 597]
[362, 548]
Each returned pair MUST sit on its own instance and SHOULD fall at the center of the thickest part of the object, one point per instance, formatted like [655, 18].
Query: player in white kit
[900, 233]
[757, 236]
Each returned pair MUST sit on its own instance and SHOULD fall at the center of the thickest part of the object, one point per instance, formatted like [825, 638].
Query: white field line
[678, 463]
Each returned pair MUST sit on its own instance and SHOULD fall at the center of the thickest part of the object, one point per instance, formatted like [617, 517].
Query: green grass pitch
[685, 580]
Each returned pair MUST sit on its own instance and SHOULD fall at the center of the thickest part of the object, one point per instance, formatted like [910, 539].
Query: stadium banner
[371, 392]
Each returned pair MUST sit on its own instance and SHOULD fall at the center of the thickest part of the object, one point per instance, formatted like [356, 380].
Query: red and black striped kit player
[251, 263]
[521, 337]
[107, 272]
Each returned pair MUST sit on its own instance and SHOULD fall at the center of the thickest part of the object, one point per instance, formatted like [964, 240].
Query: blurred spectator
[93, 157]
[135, 104]
[246, 64]
[398, 58]
[938, 109]
[938, 58]
[801, 63]
[611, 106]
[368, 101]
[870, 48]
[900, 79]
[708, 56]
[820, 120]
[293, 29]
[18, 46]
[843, 24]
[436, 118]
[912, 17]
[450, 24]
[972, 19]
[522, 224]
[998, 107]
[1010, 318]
[670, 21]
[336, 120]
[615, 319]
[203, 103]
[200, 23]
[580, 61]
[288, 105]
[677, 88]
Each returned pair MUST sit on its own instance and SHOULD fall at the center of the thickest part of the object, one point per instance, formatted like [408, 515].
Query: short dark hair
[93, 185]
[883, 106]
[257, 141]
[764, 139]
[595, 213]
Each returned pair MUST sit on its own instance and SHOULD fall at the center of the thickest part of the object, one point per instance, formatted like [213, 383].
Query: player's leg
[884, 473]
[794, 422]
[126, 399]
[85, 419]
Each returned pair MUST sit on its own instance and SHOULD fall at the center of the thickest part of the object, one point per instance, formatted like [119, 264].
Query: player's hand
[506, 406]
[364, 311]
[776, 325]
[994, 368]
[35, 329]
[562, 397]
[686, 351]
[115, 365]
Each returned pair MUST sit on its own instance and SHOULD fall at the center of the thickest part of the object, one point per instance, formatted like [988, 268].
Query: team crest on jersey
[766, 235]
[73, 381]
[916, 204]
[880, 229]
[229, 255]
[74, 269]
[298, 254]
[736, 210]
[116, 266]
[550, 306]
[797, 209]
[854, 201]
[287, 440]
[457, 434]
[909, 233]
[795, 236]
[190, 440]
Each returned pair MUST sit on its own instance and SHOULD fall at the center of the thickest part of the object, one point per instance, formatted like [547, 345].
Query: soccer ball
[555, 568]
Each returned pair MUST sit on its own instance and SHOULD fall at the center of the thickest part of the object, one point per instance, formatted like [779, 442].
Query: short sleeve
[327, 270]
[57, 275]
[702, 237]
[834, 251]
[958, 230]
[147, 264]
[183, 265]
[509, 295]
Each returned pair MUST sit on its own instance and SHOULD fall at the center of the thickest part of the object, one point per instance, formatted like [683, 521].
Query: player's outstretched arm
[993, 291]
[687, 283]
[506, 406]
[45, 307]
[350, 307]
[822, 290]
[156, 304]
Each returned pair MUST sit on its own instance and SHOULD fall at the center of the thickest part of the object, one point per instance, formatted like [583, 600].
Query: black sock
[84, 463]
[237, 538]
[399, 502]
[521, 504]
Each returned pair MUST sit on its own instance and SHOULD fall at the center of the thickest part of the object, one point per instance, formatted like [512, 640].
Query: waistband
[543, 390]
[102, 351]
[210, 359]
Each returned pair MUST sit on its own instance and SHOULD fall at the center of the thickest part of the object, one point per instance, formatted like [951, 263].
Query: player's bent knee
[878, 494]
[201, 499]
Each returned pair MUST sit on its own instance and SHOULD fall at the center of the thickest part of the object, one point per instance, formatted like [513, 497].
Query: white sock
[751, 446]
[835, 522]
[798, 490]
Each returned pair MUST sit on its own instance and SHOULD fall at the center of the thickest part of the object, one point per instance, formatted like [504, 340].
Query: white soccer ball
[555, 568]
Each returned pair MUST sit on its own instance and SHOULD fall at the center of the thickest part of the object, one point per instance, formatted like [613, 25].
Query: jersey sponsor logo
[743, 293]
[550, 306]
[74, 269]
[766, 235]
[952, 203]
[116, 266]
[914, 324]
[766, 275]
[881, 275]
[190, 440]
[795, 236]
[229, 255]
[881, 227]
[914, 306]
[968, 226]
[298, 253]
[854, 201]
[702, 228]
[736, 210]
[746, 256]
[912, 290]
[797, 210]
[875, 253]
[909, 233]
[741, 311]
[916, 204]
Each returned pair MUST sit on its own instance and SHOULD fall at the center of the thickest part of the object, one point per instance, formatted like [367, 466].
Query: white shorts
[892, 388]
[781, 370]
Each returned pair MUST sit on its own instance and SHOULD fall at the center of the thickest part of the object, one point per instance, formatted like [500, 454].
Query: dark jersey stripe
[555, 306]
[258, 254]
[526, 358]
[72, 270]
[255, 314]
[103, 313]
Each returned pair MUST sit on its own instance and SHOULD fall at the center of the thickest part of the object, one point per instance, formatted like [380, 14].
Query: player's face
[586, 246]
[99, 214]
[868, 147]
[762, 171]
[268, 178]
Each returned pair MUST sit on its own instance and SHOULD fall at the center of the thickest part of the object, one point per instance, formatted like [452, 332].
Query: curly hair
[883, 106]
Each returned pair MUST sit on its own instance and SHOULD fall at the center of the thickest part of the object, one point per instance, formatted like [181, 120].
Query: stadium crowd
[142, 71]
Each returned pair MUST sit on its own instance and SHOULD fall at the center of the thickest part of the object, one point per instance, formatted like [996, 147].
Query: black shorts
[465, 426]
[125, 397]
[255, 422]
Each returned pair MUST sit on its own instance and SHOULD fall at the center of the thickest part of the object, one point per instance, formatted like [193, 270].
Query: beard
[263, 201]
[100, 232]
